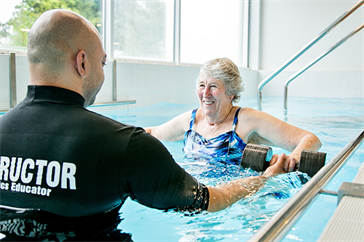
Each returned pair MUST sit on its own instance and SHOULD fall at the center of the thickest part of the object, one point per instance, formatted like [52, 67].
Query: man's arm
[157, 181]
[225, 195]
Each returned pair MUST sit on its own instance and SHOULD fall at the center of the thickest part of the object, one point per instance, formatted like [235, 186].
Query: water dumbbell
[257, 157]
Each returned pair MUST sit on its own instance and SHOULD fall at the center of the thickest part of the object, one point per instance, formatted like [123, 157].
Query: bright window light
[144, 29]
[211, 29]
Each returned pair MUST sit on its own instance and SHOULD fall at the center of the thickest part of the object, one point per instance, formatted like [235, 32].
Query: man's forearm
[225, 195]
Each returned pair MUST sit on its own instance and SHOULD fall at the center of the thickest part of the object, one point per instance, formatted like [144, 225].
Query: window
[7, 8]
[17, 16]
[211, 29]
[144, 29]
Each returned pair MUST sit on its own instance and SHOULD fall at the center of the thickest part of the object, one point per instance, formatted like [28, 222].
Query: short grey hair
[224, 69]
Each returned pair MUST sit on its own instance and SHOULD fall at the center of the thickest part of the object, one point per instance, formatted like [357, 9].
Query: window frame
[109, 37]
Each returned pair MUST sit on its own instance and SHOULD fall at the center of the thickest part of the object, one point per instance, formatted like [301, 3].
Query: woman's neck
[220, 118]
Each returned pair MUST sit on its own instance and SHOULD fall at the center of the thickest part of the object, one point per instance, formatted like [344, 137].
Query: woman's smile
[208, 102]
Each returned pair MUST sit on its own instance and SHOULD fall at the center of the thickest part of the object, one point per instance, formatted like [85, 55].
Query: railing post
[285, 101]
[114, 84]
[259, 100]
[12, 75]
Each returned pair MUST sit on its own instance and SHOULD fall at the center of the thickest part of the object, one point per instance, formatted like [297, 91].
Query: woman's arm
[172, 130]
[263, 128]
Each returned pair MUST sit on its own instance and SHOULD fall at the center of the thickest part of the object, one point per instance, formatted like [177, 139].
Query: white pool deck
[347, 222]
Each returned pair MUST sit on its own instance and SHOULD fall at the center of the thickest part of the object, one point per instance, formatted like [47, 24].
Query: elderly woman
[221, 130]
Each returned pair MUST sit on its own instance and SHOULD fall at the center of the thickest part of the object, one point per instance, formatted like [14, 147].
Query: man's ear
[81, 60]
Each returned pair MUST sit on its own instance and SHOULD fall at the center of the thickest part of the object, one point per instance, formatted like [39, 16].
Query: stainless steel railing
[279, 225]
[298, 73]
[12, 76]
[303, 50]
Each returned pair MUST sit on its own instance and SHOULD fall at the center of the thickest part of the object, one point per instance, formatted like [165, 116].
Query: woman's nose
[206, 92]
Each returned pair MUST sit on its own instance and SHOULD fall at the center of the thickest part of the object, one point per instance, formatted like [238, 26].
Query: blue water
[334, 121]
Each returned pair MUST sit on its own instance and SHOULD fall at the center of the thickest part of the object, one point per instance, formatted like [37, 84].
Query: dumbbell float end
[255, 157]
[311, 162]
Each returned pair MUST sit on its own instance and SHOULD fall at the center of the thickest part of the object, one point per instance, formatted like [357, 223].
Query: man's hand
[280, 164]
[227, 194]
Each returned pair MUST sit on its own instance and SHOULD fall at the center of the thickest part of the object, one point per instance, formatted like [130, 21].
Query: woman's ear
[81, 60]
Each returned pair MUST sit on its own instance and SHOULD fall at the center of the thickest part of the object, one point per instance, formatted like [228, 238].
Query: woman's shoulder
[244, 111]
[247, 114]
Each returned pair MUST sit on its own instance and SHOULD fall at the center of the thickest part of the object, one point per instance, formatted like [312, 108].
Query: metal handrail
[298, 73]
[303, 50]
[279, 225]
[12, 77]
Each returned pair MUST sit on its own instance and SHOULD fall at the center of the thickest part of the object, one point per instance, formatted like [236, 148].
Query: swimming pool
[334, 121]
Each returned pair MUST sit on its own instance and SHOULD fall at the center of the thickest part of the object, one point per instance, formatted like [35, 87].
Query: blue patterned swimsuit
[226, 148]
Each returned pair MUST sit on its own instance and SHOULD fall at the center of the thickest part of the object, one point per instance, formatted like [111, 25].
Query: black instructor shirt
[58, 157]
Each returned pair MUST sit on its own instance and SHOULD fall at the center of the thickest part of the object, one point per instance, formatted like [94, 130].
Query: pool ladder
[280, 224]
[303, 50]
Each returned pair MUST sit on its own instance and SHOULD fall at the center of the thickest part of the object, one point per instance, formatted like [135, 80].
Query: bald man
[65, 171]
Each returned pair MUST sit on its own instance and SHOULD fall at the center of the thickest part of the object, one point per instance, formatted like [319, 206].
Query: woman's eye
[103, 64]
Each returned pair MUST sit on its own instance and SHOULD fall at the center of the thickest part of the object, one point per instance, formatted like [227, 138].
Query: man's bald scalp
[56, 37]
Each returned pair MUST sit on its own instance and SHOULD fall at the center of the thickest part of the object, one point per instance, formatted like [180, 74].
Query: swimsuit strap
[193, 115]
[235, 119]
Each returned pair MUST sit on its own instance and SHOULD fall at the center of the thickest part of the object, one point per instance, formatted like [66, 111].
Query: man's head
[65, 50]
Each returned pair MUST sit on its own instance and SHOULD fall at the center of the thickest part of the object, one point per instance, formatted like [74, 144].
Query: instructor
[66, 171]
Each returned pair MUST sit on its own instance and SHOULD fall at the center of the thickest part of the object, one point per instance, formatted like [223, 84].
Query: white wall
[146, 83]
[288, 25]
[149, 84]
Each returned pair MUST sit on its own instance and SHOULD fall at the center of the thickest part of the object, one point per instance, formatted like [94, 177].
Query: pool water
[334, 121]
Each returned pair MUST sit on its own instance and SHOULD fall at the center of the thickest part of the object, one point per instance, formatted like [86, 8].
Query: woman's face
[212, 95]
